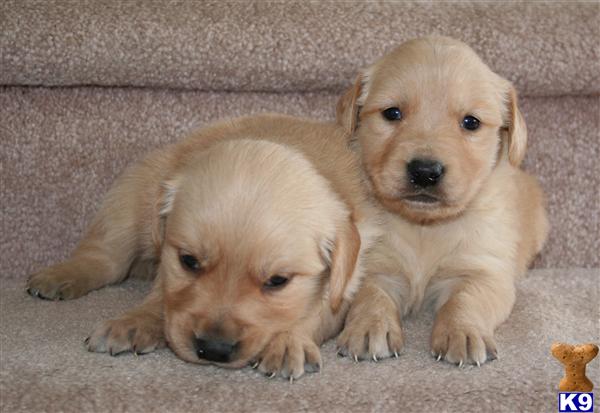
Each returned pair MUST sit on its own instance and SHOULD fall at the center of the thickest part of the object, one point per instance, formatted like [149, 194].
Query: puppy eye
[470, 123]
[189, 263]
[276, 281]
[392, 114]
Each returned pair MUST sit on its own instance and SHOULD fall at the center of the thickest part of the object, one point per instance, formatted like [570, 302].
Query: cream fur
[248, 198]
[461, 254]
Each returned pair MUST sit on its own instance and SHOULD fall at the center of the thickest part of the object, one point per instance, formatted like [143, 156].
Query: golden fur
[249, 199]
[461, 253]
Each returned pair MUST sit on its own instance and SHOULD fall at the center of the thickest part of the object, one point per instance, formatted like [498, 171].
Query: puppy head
[431, 120]
[253, 239]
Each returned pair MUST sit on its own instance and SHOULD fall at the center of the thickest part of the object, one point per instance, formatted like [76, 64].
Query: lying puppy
[255, 225]
[441, 139]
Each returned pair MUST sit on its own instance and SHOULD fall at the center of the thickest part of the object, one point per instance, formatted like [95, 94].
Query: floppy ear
[162, 207]
[346, 111]
[343, 262]
[517, 130]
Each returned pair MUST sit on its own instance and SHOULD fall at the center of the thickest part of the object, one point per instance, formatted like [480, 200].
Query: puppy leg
[463, 331]
[373, 328]
[290, 354]
[140, 330]
[107, 251]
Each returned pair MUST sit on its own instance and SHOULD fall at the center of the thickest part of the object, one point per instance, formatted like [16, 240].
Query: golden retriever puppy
[441, 139]
[254, 227]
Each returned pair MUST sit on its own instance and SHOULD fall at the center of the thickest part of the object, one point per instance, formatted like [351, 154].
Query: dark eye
[189, 262]
[470, 123]
[392, 114]
[276, 281]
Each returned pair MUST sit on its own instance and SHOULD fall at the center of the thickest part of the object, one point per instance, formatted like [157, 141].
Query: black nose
[213, 349]
[425, 172]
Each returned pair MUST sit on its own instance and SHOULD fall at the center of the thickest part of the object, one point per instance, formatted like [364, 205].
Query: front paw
[139, 334]
[462, 343]
[371, 336]
[290, 355]
[58, 282]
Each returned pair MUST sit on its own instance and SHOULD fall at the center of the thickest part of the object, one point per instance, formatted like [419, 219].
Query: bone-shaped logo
[574, 358]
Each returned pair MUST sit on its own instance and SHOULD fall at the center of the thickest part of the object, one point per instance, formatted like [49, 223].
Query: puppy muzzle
[216, 350]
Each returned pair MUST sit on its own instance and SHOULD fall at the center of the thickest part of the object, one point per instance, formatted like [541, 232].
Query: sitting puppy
[254, 229]
[441, 139]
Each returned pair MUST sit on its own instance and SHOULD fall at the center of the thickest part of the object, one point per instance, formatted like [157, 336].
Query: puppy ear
[343, 262]
[346, 111]
[517, 130]
[162, 207]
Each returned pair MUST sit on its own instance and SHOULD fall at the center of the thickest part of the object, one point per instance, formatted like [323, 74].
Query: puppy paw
[290, 355]
[461, 344]
[371, 336]
[58, 282]
[139, 334]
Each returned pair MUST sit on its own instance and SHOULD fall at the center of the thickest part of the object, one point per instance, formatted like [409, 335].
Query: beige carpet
[46, 368]
[547, 48]
[63, 148]
[87, 86]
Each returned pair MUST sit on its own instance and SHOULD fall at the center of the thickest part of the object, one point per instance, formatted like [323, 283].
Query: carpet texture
[547, 48]
[46, 368]
[62, 148]
[87, 87]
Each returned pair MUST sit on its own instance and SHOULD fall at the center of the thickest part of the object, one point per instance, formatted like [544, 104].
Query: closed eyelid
[264, 277]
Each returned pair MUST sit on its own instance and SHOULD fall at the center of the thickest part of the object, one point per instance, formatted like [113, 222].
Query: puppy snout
[425, 172]
[215, 349]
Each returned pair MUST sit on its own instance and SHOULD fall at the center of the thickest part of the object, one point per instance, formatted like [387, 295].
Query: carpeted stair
[86, 87]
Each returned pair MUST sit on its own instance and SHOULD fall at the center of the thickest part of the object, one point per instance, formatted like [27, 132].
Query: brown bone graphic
[574, 358]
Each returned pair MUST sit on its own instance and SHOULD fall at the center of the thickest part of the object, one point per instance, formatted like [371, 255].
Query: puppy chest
[420, 256]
